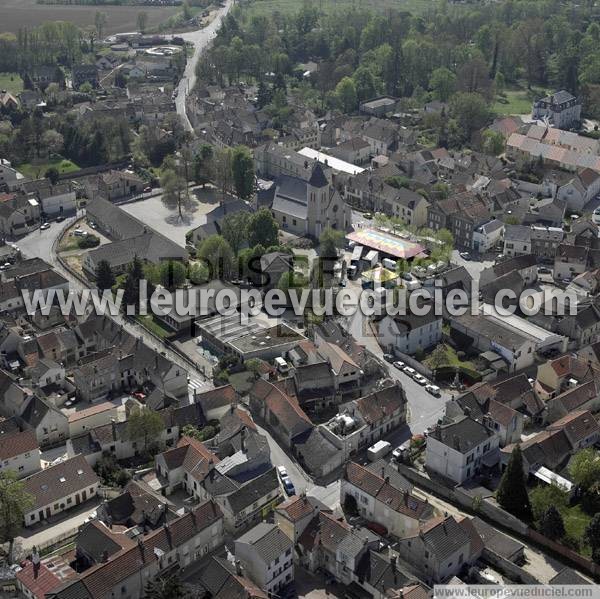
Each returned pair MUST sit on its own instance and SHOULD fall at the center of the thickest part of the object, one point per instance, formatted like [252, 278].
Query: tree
[218, 256]
[329, 242]
[120, 79]
[142, 21]
[171, 274]
[105, 278]
[234, 229]
[175, 188]
[264, 95]
[144, 424]
[131, 288]
[592, 536]
[493, 142]
[242, 167]
[551, 524]
[438, 358]
[442, 83]
[202, 164]
[262, 228]
[15, 502]
[198, 273]
[512, 491]
[544, 496]
[165, 588]
[53, 141]
[52, 174]
[585, 467]
[222, 170]
[471, 112]
[100, 19]
[345, 92]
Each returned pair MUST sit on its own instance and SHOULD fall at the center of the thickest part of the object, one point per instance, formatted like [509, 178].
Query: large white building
[411, 333]
[266, 555]
[458, 450]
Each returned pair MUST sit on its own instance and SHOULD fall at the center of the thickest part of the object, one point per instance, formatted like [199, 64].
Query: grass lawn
[517, 100]
[155, 326]
[267, 7]
[11, 82]
[34, 171]
[576, 521]
[452, 359]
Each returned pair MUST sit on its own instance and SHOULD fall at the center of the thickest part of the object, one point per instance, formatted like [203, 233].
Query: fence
[498, 516]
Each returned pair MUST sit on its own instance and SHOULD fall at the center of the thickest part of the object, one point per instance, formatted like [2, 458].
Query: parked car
[147, 189]
[465, 255]
[367, 215]
[45, 226]
[93, 225]
[400, 452]
[282, 472]
[419, 378]
[399, 364]
[544, 270]
[433, 390]
[59, 219]
[410, 371]
[388, 358]
[288, 486]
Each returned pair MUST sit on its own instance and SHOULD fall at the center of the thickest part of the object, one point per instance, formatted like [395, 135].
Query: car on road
[433, 390]
[282, 472]
[367, 215]
[59, 219]
[147, 189]
[288, 486]
[45, 226]
[420, 379]
[388, 358]
[410, 371]
[465, 255]
[93, 225]
[544, 270]
[399, 364]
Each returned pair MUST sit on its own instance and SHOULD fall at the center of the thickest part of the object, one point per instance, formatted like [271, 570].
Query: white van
[282, 366]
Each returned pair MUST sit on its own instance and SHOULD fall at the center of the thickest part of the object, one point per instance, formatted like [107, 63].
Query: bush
[89, 241]
[111, 473]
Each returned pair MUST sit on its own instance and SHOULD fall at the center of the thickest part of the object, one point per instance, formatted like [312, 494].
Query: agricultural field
[16, 14]
[262, 7]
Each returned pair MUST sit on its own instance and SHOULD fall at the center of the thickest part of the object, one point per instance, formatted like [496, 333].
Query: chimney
[387, 479]
[104, 557]
[238, 568]
[114, 428]
[383, 472]
[243, 440]
[393, 563]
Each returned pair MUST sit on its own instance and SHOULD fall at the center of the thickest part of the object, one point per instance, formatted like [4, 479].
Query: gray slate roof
[268, 540]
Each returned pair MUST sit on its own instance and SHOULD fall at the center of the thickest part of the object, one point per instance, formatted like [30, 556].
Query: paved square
[165, 220]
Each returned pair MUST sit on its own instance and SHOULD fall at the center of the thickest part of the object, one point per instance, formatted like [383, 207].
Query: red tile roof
[17, 443]
[296, 508]
[104, 577]
[41, 582]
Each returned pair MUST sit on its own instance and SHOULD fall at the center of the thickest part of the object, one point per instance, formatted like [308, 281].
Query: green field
[11, 82]
[517, 100]
[264, 7]
[34, 171]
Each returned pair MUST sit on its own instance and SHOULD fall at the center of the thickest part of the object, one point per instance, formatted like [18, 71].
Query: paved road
[200, 38]
[425, 409]
[40, 244]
